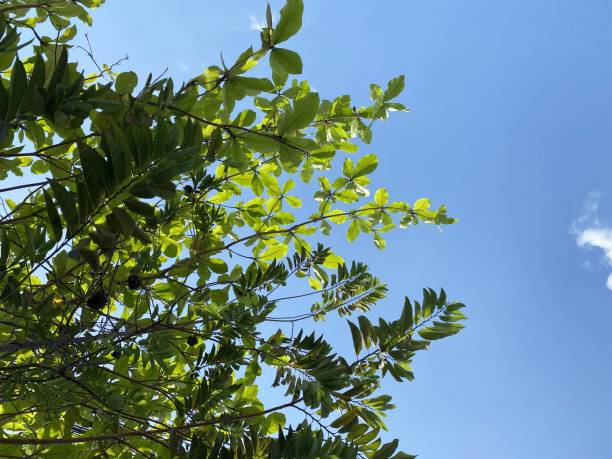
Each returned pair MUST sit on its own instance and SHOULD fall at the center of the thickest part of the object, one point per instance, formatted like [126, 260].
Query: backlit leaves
[126, 82]
[167, 255]
[303, 113]
[290, 21]
[284, 61]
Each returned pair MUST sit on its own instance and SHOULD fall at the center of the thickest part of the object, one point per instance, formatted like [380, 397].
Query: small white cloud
[589, 216]
[592, 231]
[597, 237]
[256, 24]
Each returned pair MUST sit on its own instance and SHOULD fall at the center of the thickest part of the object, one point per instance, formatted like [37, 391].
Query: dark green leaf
[139, 207]
[125, 223]
[60, 69]
[66, 201]
[17, 88]
[99, 175]
[386, 450]
[54, 218]
[356, 335]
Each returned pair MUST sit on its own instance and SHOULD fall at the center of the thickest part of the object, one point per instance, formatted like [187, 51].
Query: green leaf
[440, 330]
[381, 197]
[290, 158]
[386, 450]
[260, 143]
[171, 248]
[394, 88]
[348, 168]
[126, 82]
[207, 106]
[252, 371]
[376, 92]
[3, 108]
[406, 319]
[284, 61]
[379, 241]
[255, 85]
[5, 244]
[304, 111]
[126, 223]
[60, 69]
[66, 201]
[343, 420]
[421, 204]
[149, 189]
[17, 88]
[353, 231]
[140, 208]
[29, 243]
[40, 167]
[290, 21]
[402, 455]
[68, 34]
[356, 335]
[269, 16]
[274, 252]
[275, 421]
[294, 201]
[99, 175]
[217, 265]
[54, 218]
[366, 165]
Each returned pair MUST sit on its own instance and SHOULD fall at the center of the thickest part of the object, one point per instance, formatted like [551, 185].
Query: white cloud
[589, 216]
[597, 237]
[259, 24]
[256, 24]
[592, 231]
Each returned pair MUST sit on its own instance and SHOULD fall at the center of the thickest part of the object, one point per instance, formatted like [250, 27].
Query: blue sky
[510, 127]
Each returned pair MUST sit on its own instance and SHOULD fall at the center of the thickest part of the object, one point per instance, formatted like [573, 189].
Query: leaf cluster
[157, 237]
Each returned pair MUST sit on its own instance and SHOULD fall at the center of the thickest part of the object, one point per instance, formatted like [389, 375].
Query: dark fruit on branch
[151, 222]
[192, 340]
[98, 299]
[116, 354]
[134, 282]
[188, 189]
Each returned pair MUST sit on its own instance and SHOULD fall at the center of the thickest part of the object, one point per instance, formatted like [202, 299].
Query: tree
[144, 254]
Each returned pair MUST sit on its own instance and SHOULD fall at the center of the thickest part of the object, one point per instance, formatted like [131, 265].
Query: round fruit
[134, 282]
[98, 299]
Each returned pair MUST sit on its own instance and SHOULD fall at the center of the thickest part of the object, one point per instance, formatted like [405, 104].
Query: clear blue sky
[510, 128]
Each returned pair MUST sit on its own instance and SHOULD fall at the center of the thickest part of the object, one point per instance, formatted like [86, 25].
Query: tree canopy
[157, 260]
